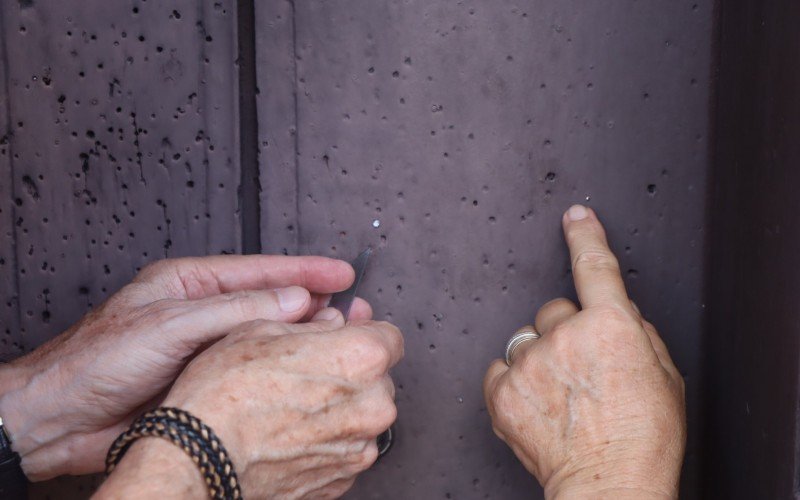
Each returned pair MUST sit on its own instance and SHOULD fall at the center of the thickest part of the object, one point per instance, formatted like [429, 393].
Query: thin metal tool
[343, 301]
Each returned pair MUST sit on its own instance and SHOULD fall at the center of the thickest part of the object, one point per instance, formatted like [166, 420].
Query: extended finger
[197, 277]
[553, 313]
[594, 267]
[203, 320]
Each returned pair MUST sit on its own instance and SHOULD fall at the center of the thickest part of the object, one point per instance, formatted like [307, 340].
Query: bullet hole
[651, 189]
[395, 74]
[436, 108]
[646, 96]
[432, 347]
[547, 143]
[135, 10]
[550, 177]
[371, 70]
[83, 290]
[633, 273]
[141, 38]
[176, 14]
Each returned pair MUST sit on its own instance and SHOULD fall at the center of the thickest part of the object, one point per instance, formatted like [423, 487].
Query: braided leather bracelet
[194, 437]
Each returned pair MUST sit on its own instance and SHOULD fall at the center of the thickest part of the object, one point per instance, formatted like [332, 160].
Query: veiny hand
[66, 402]
[595, 407]
[298, 408]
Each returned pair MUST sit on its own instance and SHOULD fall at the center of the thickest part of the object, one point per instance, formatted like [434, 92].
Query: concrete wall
[464, 128]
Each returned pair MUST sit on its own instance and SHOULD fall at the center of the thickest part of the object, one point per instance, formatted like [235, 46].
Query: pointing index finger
[595, 269]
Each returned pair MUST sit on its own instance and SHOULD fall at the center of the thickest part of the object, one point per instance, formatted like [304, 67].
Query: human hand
[66, 402]
[298, 407]
[595, 407]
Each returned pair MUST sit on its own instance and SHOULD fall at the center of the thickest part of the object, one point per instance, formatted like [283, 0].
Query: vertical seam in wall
[249, 182]
[11, 174]
[295, 91]
[705, 470]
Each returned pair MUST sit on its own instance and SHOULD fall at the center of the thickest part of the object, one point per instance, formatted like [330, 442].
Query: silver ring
[517, 340]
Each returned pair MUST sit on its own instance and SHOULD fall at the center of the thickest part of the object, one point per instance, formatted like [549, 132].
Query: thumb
[209, 318]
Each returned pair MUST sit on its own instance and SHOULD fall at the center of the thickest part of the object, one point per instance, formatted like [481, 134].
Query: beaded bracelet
[194, 437]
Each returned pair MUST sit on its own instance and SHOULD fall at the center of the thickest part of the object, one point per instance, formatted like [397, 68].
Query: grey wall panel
[463, 130]
[123, 133]
[124, 139]
[754, 283]
[277, 125]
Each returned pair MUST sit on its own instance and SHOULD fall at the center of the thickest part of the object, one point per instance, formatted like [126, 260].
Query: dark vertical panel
[250, 186]
[462, 130]
[754, 333]
[124, 141]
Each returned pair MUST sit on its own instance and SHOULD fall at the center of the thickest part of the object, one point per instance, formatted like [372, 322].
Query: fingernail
[292, 298]
[577, 212]
[327, 314]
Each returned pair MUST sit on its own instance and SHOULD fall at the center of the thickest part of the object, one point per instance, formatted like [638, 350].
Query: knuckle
[165, 311]
[562, 338]
[595, 259]
[502, 399]
[393, 333]
[613, 315]
[367, 457]
[385, 414]
[526, 360]
[153, 269]
[369, 353]
[243, 304]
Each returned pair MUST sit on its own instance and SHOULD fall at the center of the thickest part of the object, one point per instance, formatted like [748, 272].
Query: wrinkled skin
[66, 402]
[297, 406]
[595, 407]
